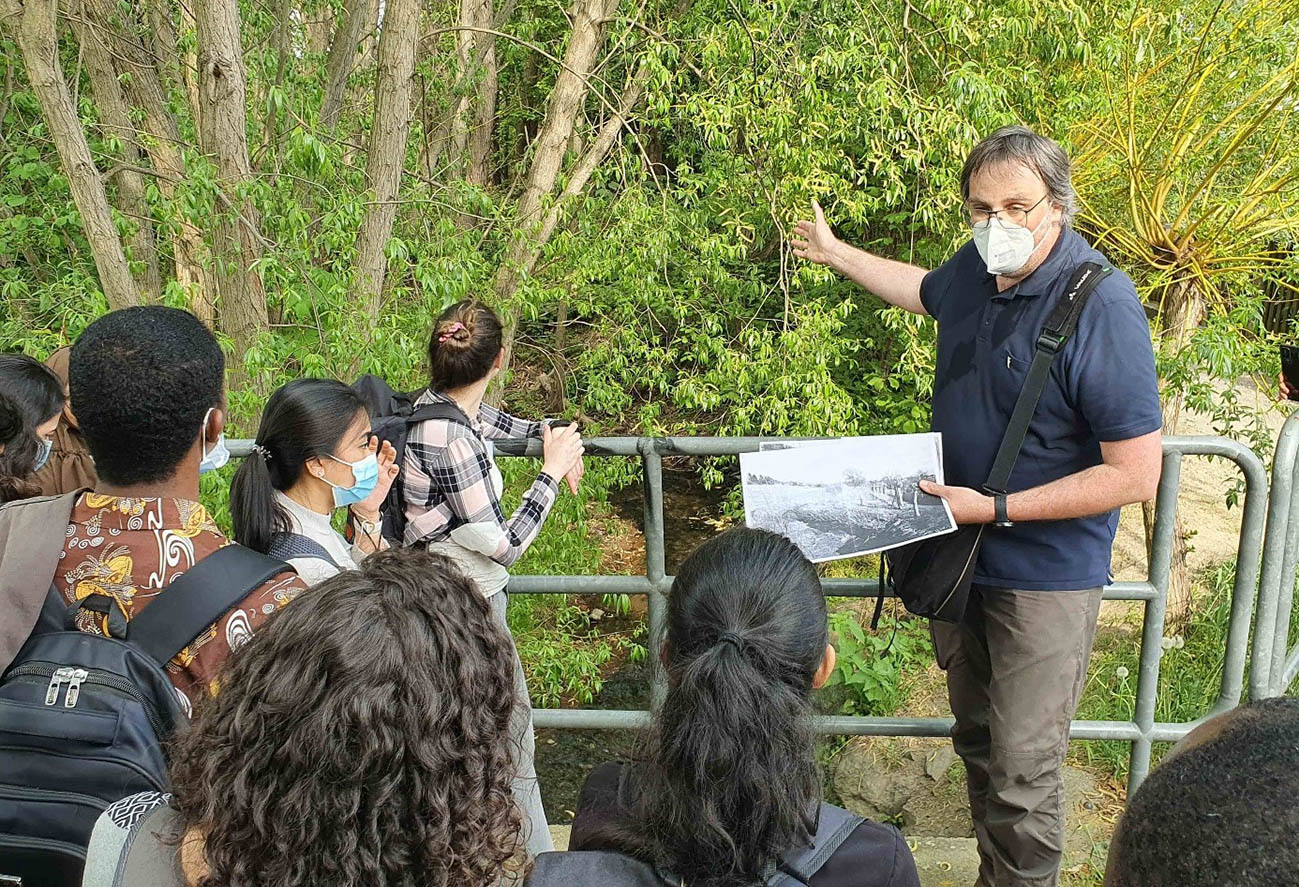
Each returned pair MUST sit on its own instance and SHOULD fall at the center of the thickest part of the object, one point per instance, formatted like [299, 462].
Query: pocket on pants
[946, 638]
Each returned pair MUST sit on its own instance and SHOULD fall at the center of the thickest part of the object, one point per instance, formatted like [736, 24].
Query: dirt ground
[1201, 502]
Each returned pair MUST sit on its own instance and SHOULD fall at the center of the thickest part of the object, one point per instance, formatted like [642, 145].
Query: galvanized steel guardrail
[1141, 732]
[1275, 663]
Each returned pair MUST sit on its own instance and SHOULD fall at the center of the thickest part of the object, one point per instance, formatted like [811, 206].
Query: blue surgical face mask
[46, 447]
[365, 477]
[216, 457]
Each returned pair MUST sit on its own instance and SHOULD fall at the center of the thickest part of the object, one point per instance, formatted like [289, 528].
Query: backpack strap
[32, 533]
[440, 410]
[834, 825]
[205, 593]
[1059, 327]
[286, 546]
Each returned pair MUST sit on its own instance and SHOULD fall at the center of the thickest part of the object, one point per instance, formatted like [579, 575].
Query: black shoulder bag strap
[205, 593]
[1060, 325]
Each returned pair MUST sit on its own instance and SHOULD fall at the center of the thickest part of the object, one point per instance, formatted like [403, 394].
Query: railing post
[1276, 586]
[655, 564]
[1152, 629]
[1285, 594]
[1243, 605]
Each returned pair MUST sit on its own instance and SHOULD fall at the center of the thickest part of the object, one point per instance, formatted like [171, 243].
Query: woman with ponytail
[313, 455]
[729, 792]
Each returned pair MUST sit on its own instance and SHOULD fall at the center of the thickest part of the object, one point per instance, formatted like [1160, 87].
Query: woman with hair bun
[452, 491]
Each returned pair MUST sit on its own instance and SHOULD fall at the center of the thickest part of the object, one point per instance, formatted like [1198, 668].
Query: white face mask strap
[202, 436]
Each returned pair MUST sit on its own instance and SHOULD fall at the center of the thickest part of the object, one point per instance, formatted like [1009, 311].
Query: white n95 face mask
[1004, 246]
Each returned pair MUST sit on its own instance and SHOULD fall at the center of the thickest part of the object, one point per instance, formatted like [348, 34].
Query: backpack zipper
[75, 677]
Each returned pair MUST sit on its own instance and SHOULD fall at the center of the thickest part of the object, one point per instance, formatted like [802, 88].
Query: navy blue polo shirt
[1102, 387]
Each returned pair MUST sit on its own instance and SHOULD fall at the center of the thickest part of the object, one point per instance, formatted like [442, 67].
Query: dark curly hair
[360, 739]
[142, 379]
[1221, 813]
[33, 395]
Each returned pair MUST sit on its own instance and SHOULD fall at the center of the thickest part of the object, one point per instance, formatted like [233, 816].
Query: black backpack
[83, 718]
[598, 868]
[392, 413]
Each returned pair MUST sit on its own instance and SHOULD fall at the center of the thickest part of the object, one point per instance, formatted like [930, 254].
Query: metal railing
[1275, 664]
[1141, 732]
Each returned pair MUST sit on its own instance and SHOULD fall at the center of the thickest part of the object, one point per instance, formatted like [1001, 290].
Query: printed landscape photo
[849, 497]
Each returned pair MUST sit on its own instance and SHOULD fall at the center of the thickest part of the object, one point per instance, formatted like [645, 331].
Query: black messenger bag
[933, 576]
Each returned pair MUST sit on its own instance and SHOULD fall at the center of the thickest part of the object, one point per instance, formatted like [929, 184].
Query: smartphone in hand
[1290, 368]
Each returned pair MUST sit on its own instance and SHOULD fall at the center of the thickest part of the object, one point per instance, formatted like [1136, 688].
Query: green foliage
[1190, 673]
[565, 657]
[872, 666]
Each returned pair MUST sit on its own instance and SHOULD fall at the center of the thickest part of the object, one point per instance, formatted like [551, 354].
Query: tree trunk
[165, 42]
[484, 116]
[1183, 311]
[283, 39]
[571, 87]
[387, 155]
[144, 92]
[33, 23]
[223, 135]
[338, 67]
[132, 202]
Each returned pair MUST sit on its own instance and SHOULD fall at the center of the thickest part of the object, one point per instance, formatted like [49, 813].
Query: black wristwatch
[1000, 517]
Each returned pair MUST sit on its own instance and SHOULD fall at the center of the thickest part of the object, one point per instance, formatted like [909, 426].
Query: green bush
[872, 666]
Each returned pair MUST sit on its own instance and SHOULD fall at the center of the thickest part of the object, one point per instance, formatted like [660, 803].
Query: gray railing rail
[1141, 732]
[1275, 664]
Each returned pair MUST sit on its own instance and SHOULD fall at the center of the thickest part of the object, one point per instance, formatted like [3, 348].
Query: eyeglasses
[1013, 214]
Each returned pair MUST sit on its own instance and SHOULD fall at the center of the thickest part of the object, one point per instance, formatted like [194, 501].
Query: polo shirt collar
[1057, 262]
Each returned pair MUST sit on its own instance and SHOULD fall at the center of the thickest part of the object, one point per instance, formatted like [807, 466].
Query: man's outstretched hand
[813, 240]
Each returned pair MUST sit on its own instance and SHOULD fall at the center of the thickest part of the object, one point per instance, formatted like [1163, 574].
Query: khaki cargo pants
[1015, 672]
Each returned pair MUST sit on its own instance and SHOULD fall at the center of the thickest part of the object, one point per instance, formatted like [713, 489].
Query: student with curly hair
[11, 429]
[362, 741]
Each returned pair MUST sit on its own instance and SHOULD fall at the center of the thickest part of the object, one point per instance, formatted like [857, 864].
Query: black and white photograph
[848, 497]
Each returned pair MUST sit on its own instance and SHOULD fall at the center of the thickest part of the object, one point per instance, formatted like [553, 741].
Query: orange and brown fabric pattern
[132, 549]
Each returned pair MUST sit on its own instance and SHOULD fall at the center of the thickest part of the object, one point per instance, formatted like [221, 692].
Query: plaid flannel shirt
[449, 480]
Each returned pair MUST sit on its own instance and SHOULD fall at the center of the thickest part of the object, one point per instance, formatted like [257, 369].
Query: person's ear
[216, 424]
[315, 466]
[826, 668]
[499, 361]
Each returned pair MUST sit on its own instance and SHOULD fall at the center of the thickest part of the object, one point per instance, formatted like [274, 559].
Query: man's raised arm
[895, 282]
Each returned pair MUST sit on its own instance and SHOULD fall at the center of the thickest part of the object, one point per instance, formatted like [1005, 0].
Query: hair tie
[262, 451]
[730, 637]
[451, 331]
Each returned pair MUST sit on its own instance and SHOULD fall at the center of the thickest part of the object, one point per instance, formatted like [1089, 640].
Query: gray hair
[1019, 144]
